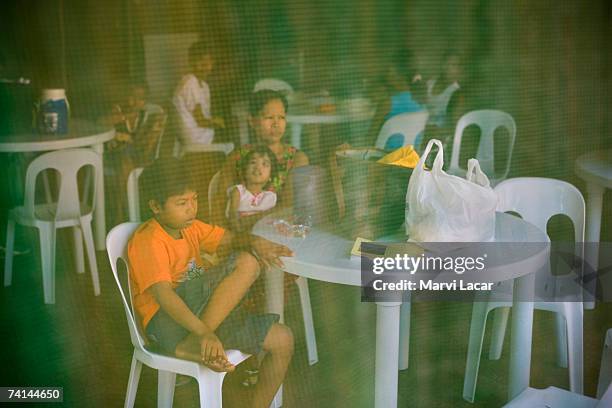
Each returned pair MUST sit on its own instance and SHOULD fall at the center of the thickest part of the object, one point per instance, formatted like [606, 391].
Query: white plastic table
[326, 257]
[596, 169]
[81, 134]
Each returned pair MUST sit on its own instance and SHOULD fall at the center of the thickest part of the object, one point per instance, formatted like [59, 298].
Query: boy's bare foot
[220, 365]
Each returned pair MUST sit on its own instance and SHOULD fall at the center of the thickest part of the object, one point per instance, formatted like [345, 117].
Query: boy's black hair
[198, 50]
[165, 178]
[405, 64]
[259, 99]
[262, 150]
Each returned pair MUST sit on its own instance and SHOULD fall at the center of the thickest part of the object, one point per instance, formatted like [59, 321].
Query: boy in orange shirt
[186, 306]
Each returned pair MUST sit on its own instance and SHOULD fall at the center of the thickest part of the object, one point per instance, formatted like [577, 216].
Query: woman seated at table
[401, 91]
[268, 121]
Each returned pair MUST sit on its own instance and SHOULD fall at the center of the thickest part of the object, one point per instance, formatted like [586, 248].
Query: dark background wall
[547, 63]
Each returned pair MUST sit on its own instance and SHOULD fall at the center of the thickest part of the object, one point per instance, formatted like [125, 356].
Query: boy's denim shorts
[240, 330]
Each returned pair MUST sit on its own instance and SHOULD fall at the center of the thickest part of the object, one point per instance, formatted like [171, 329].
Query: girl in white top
[252, 199]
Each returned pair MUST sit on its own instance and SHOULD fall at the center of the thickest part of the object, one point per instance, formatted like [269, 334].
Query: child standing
[248, 201]
[192, 99]
[189, 308]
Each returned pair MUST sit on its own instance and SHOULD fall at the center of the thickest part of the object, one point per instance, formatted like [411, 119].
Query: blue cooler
[52, 112]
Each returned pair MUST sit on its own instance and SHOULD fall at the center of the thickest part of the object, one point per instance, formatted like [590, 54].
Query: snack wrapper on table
[405, 156]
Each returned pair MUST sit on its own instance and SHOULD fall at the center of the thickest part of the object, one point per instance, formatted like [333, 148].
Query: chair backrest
[212, 188]
[488, 121]
[538, 199]
[408, 125]
[67, 163]
[133, 194]
[273, 84]
[153, 109]
[116, 248]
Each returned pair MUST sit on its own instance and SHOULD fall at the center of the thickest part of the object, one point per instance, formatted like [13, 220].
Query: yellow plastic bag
[404, 157]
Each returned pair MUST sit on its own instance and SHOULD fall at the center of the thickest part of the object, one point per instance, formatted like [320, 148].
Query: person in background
[401, 91]
[446, 102]
[192, 99]
[250, 200]
[441, 90]
[137, 133]
[268, 121]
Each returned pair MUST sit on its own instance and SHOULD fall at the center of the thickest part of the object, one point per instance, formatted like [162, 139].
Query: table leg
[404, 342]
[100, 214]
[275, 292]
[387, 353]
[593, 216]
[275, 303]
[296, 135]
[522, 327]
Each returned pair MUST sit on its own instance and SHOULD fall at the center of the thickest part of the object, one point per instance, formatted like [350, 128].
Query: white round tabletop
[81, 133]
[596, 167]
[326, 257]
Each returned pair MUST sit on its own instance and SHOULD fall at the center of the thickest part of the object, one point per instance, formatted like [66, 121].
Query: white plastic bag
[444, 208]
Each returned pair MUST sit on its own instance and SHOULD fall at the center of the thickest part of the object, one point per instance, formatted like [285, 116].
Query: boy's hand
[269, 252]
[213, 354]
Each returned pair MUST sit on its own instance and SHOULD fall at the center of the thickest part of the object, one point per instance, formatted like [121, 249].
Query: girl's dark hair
[262, 150]
[165, 178]
[261, 98]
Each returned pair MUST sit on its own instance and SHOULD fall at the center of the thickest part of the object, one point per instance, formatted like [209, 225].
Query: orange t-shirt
[154, 256]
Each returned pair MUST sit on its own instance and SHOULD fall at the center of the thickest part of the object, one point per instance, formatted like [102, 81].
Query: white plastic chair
[212, 188]
[68, 211]
[209, 382]
[133, 194]
[553, 397]
[409, 125]
[605, 371]
[180, 149]
[273, 84]
[153, 109]
[488, 121]
[301, 282]
[536, 200]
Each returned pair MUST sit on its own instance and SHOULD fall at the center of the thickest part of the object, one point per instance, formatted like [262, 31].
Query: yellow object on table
[405, 156]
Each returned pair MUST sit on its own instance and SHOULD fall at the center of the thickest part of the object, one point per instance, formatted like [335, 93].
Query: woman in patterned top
[267, 120]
